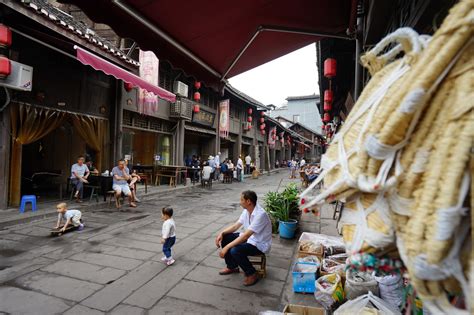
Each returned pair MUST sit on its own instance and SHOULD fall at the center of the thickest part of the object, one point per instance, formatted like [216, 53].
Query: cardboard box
[303, 310]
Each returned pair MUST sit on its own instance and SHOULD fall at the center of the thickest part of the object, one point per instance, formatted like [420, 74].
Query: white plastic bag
[364, 303]
[359, 283]
[391, 289]
[329, 290]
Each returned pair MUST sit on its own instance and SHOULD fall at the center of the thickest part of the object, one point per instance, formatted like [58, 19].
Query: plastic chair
[25, 199]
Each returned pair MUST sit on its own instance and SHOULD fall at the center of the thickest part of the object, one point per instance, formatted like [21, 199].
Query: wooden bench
[171, 177]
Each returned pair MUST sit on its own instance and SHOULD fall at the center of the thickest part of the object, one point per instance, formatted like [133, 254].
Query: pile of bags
[403, 160]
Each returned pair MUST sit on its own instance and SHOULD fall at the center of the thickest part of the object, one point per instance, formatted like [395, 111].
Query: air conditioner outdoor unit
[20, 78]
[181, 89]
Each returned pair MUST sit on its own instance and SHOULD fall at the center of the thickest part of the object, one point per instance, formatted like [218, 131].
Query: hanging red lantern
[262, 126]
[327, 106]
[196, 108]
[326, 117]
[249, 119]
[262, 120]
[197, 96]
[5, 36]
[262, 113]
[197, 85]
[262, 131]
[274, 137]
[5, 67]
[249, 111]
[330, 68]
[328, 96]
[128, 86]
[249, 126]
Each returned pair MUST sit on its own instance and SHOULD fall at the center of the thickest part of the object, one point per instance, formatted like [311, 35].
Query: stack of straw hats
[403, 161]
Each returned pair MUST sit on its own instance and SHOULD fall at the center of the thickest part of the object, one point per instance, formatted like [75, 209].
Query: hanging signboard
[149, 64]
[224, 121]
[203, 117]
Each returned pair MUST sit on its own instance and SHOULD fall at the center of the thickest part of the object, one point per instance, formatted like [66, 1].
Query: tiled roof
[42, 7]
[244, 96]
[303, 97]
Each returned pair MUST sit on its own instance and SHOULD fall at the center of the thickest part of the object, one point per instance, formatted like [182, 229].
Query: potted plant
[283, 210]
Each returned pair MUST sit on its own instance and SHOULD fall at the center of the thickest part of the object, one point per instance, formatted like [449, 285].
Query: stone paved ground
[114, 266]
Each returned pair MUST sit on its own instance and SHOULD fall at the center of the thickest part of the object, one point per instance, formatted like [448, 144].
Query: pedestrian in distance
[240, 166]
[168, 235]
[70, 216]
[248, 160]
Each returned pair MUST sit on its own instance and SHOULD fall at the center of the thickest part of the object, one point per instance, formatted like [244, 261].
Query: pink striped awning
[109, 68]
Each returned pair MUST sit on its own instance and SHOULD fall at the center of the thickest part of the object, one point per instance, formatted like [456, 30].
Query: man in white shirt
[217, 163]
[255, 240]
[248, 160]
[240, 166]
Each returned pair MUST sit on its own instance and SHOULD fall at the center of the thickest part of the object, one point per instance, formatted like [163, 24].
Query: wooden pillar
[4, 156]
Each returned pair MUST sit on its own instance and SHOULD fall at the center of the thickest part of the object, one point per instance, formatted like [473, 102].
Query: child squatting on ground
[168, 235]
[69, 216]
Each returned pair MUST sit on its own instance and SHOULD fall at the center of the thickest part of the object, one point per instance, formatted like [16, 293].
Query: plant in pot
[282, 209]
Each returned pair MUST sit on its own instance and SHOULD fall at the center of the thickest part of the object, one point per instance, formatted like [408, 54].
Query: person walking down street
[248, 160]
[293, 166]
[224, 168]
[217, 163]
[168, 235]
[240, 166]
[79, 175]
[255, 240]
[211, 162]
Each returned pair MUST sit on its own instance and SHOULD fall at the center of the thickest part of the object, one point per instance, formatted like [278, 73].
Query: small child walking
[69, 216]
[168, 235]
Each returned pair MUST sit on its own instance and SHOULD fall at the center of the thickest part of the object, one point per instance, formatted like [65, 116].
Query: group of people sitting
[123, 181]
[311, 171]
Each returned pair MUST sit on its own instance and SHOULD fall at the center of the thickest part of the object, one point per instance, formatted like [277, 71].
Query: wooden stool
[260, 264]
[111, 194]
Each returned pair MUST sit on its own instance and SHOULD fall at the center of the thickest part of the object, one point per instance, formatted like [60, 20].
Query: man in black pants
[254, 240]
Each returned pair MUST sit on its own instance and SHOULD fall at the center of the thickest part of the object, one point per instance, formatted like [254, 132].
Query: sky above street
[291, 75]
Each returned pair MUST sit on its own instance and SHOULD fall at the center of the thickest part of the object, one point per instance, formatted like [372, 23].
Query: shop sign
[224, 119]
[203, 117]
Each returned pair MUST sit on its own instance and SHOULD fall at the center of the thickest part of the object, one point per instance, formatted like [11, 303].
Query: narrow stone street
[114, 266]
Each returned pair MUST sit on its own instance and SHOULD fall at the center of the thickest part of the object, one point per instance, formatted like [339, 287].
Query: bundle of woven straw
[341, 161]
[403, 162]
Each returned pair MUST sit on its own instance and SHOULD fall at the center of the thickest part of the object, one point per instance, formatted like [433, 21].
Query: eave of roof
[53, 15]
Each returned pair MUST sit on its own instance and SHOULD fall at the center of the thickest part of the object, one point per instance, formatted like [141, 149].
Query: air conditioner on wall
[181, 89]
[20, 78]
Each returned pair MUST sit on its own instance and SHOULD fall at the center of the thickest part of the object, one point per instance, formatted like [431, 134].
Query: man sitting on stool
[121, 175]
[255, 240]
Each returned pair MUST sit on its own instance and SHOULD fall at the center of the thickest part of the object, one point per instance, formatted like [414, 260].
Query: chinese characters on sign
[224, 121]
[204, 117]
[147, 101]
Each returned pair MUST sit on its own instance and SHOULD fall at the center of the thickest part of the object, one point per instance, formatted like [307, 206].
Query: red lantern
[197, 96]
[262, 120]
[328, 96]
[274, 137]
[128, 86]
[250, 126]
[249, 119]
[249, 111]
[196, 108]
[262, 113]
[262, 131]
[5, 67]
[330, 67]
[5, 36]
[326, 117]
[197, 85]
[327, 106]
[262, 126]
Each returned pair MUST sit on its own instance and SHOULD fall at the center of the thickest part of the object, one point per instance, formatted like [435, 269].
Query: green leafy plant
[282, 206]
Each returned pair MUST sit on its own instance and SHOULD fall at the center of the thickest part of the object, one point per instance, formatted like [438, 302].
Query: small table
[173, 171]
[148, 170]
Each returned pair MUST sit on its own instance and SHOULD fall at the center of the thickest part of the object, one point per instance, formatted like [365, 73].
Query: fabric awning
[215, 40]
[109, 68]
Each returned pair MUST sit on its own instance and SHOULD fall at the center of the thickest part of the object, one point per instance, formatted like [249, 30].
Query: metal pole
[358, 69]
